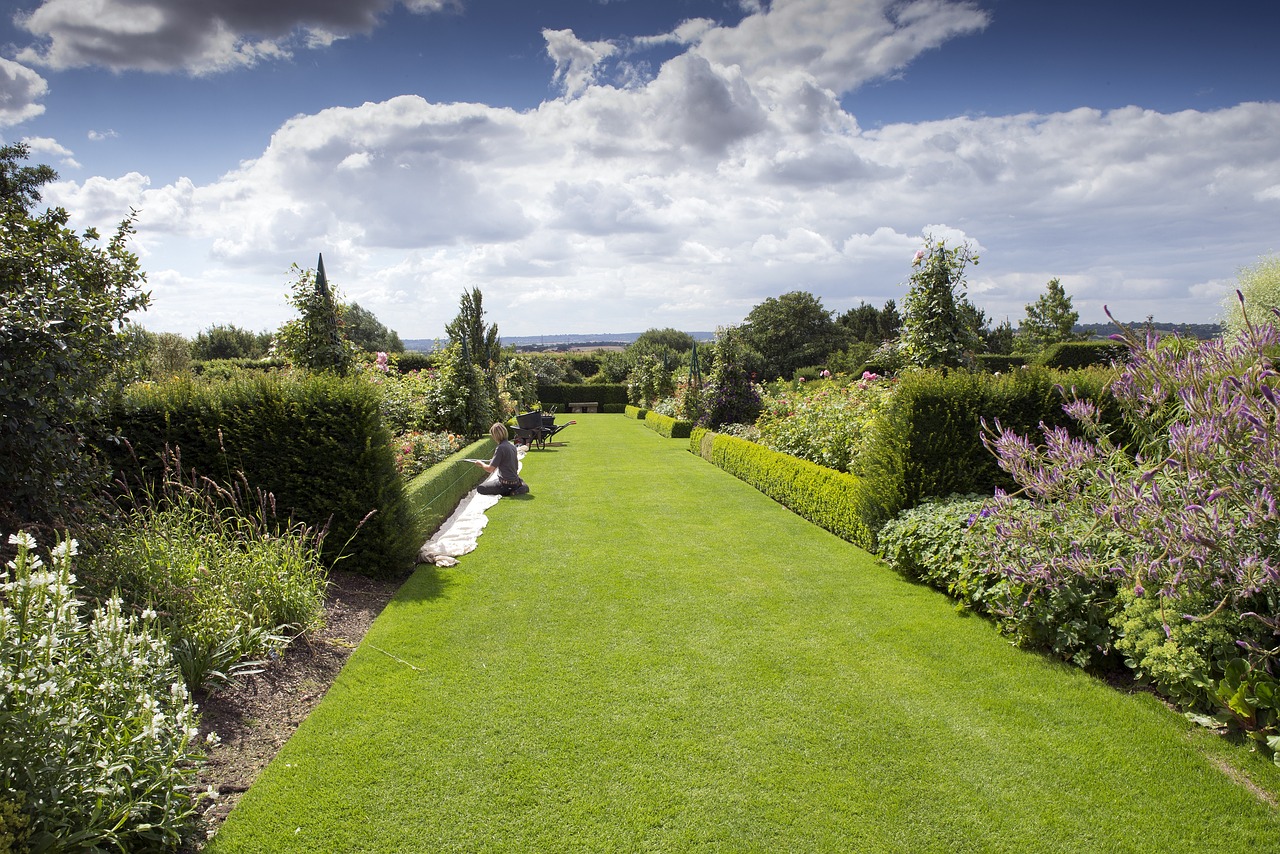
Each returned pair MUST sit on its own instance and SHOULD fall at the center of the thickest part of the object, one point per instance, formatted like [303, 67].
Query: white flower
[66, 548]
[22, 539]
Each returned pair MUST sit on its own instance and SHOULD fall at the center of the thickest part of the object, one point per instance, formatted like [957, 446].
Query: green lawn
[647, 655]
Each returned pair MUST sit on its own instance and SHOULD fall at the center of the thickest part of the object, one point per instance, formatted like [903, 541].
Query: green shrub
[229, 581]
[434, 494]
[830, 499]
[928, 542]
[613, 408]
[665, 425]
[635, 412]
[1183, 659]
[1069, 355]
[316, 442]
[99, 732]
[563, 394]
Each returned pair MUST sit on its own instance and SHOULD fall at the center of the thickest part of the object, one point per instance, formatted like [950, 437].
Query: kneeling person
[506, 464]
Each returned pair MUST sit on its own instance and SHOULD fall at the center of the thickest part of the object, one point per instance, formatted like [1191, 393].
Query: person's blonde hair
[498, 432]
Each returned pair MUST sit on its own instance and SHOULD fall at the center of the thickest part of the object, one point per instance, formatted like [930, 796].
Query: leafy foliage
[64, 337]
[314, 440]
[1049, 320]
[314, 340]
[1192, 518]
[791, 331]
[471, 364]
[730, 396]
[870, 325]
[228, 341]
[364, 330]
[930, 543]
[1256, 299]
[230, 581]
[937, 332]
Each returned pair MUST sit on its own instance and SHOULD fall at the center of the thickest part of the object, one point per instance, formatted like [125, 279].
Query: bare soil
[256, 715]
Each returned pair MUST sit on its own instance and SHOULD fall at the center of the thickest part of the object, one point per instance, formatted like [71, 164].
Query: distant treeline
[1202, 331]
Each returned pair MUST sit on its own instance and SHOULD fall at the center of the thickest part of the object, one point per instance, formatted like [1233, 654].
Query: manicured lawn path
[648, 655]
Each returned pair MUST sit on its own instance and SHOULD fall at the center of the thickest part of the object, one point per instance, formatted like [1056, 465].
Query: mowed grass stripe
[648, 655]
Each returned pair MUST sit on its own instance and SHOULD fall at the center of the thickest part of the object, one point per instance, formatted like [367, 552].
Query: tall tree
[1050, 319]
[65, 335]
[364, 330]
[871, 325]
[478, 344]
[792, 331]
[671, 339]
[937, 319]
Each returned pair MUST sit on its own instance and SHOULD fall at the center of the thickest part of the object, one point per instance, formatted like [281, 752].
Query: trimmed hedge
[928, 442]
[665, 425]
[1069, 355]
[567, 393]
[316, 442]
[830, 499]
[222, 368]
[634, 412]
[413, 360]
[613, 408]
[996, 363]
[434, 494]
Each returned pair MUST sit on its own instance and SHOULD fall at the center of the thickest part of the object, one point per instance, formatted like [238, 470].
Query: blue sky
[616, 166]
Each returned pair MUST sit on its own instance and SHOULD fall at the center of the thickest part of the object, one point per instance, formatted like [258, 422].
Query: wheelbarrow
[536, 428]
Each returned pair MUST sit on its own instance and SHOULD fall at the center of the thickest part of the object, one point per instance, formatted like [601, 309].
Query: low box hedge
[434, 494]
[635, 412]
[665, 425]
[830, 499]
[316, 442]
[613, 408]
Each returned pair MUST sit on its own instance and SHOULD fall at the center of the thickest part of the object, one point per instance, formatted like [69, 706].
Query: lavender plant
[98, 745]
[1190, 519]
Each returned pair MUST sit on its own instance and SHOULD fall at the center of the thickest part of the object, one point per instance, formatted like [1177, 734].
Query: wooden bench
[584, 407]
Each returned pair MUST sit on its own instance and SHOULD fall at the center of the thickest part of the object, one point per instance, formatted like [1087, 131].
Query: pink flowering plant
[417, 451]
[826, 421]
[1170, 543]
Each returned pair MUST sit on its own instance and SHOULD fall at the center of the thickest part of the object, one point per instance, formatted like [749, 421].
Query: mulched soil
[255, 716]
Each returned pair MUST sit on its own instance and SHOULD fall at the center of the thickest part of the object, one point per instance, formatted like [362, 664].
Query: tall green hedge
[567, 393]
[928, 442]
[1069, 355]
[833, 500]
[996, 363]
[316, 442]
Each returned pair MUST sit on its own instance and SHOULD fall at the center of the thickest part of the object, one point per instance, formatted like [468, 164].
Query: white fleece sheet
[458, 535]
